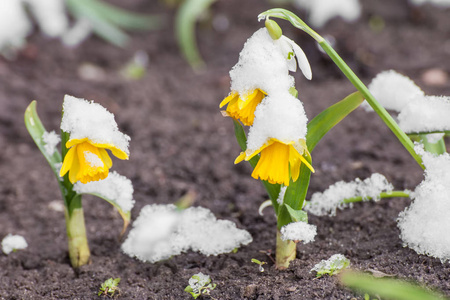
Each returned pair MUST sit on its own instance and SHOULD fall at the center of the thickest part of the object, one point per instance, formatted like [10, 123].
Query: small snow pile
[261, 65]
[50, 139]
[393, 90]
[326, 203]
[12, 243]
[162, 231]
[80, 116]
[115, 187]
[439, 3]
[425, 224]
[321, 11]
[426, 114]
[281, 194]
[331, 266]
[299, 231]
[279, 116]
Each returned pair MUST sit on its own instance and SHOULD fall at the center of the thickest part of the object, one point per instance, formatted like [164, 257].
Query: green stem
[377, 107]
[435, 148]
[285, 252]
[393, 194]
[76, 233]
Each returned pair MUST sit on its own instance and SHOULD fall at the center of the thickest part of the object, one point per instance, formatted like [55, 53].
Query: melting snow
[13, 242]
[50, 139]
[299, 231]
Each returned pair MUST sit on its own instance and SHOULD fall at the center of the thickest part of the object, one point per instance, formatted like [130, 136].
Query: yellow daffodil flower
[279, 161]
[242, 107]
[88, 161]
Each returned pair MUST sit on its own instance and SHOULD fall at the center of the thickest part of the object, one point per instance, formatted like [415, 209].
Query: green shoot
[332, 266]
[260, 263]
[109, 287]
[200, 284]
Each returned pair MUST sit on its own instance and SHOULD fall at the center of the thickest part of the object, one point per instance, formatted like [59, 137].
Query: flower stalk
[285, 252]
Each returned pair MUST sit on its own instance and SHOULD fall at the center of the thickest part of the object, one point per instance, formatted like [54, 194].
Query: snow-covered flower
[278, 134]
[12, 243]
[263, 69]
[92, 130]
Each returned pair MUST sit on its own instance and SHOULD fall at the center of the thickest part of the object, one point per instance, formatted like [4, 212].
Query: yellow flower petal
[74, 169]
[243, 107]
[273, 164]
[105, 157]
[229, 98]
[68, 161]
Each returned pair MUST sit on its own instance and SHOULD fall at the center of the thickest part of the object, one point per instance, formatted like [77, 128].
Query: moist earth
[180, 143]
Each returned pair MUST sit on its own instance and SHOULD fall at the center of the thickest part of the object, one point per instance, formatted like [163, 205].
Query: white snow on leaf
[86, 119]
[162, 231]
[13, 242]
[425, 224]
[321, 11]
[115, 187]
[298, 231]
[280, 116]
[327, 202]
[393, 90]
[425, 114]
[50, 139]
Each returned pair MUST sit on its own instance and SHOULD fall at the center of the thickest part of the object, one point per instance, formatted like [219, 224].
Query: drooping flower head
[278, 134]
[263, 68]
[92, 130]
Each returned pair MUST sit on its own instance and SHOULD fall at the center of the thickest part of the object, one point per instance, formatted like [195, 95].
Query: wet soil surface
[181, 143]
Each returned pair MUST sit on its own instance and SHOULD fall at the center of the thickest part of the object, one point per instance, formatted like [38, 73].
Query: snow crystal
[280, 116]
[50, 15]
[115, 187]
[393, 90]
[86, 119]
[425, 224]
[331, 266]
[332, 198]
[281, 194]
[50, 139]
[162, 231]
[440, 3]
[261, 65]
[299, 231]
[425, 114]
[13, 242]
[14, 25]
[320, 11]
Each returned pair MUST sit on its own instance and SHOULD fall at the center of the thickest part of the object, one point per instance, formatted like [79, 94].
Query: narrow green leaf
[297, 215]
[331, 116]
[240, 135]
[387, 287]
[37, 130]
[187, 15]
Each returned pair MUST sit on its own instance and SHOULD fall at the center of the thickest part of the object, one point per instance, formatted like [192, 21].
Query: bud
[273, 28]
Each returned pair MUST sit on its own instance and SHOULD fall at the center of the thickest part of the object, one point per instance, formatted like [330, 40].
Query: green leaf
[331, 116]
[272, 189]
[37, 130]
[387, 287]
[297, 215]
[187, 15]
[254, 260]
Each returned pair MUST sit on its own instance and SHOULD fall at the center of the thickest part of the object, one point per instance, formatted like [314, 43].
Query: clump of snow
[298, 231]
[14, 26]
[51, 16]
[393, 90]
[199, 280]
[440, 3]
[162, 231]
[115, 187]
[12, 243]
[50, 139]
[261, 65]
[280, 198]
[331, 266]
[280, 116]
[86, 119]
[327, 202]
[321, 11]
[425, 224]
[426, 114]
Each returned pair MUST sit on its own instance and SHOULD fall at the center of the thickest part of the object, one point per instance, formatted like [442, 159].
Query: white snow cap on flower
[393, 90]
[327, 202]
[50, 15]
[425, 224]
[321, 11]
[115, 187]
[441, 3]
[86, 119]
[263, 64]
[428, 113]
[50, 139]
[14, 25]
[162, 231]
[13, 242]
[299, 231]
[280, 116]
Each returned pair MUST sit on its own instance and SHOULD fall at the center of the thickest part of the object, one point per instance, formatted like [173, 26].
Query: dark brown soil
[181, 143]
